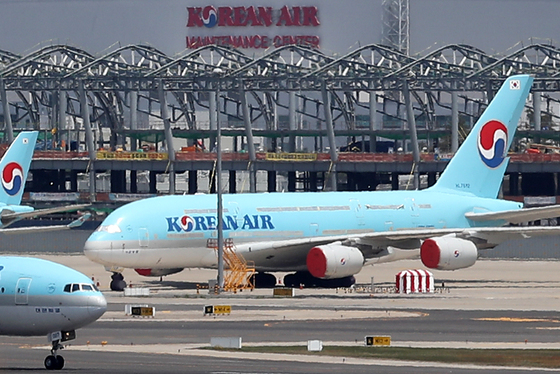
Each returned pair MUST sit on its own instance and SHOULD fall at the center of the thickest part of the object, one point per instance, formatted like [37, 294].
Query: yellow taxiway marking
[515, 319]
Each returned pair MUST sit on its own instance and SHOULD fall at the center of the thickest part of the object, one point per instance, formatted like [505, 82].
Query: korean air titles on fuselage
[198, 223]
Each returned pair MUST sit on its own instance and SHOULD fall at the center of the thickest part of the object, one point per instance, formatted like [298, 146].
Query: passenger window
[86, 287]
[75, 287]
[67, 288]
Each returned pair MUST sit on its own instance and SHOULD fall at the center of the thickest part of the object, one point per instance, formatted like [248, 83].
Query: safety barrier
[234, 343]
[136, 291]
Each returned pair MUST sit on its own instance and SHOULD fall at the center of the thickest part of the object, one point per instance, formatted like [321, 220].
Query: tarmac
[519, 288]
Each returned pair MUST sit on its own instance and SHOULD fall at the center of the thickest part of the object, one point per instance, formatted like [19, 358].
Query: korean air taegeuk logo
[12, 178]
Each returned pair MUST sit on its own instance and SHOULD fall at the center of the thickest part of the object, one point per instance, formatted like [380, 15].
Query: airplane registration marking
[47, 310]
[463, 185]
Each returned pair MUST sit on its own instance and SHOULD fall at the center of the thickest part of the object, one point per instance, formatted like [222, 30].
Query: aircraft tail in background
[479, 165]
[14, 167]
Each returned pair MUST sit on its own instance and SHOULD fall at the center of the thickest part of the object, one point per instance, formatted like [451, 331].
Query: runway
[494, 304]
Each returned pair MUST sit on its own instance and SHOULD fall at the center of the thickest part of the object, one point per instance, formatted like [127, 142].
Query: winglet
[80, 221]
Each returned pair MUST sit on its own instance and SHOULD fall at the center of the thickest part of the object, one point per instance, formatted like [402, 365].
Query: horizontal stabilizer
[517, 216]
[8, 217]
[35, 229]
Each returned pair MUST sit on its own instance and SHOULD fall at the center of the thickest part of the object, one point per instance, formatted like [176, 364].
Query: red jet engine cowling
[446, 253]
[334, 261]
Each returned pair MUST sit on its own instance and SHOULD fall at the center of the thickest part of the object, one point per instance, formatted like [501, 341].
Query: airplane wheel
[59, 362]
[51, 363]
[118, 285]
[264, 280]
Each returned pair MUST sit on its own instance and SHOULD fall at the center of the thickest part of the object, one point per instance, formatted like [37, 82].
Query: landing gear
[305, 279]
[117, 283]
[264, 280]
[54, 361]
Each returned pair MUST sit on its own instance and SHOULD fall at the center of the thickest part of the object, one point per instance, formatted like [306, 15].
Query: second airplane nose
[97, 306]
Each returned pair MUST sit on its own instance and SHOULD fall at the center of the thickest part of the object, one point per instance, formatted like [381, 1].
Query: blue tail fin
[479, 165]
[14, 167]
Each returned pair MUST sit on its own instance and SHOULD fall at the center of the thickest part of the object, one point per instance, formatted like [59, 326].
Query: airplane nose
[96, 252]
[97, 306]
[90, 250]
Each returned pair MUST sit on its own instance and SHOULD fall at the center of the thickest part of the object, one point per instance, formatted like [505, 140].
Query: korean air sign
[255, 27]
[208, 223]
[210, 16]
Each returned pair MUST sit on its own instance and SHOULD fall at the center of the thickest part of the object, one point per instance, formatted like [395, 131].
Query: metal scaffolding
[138, 93]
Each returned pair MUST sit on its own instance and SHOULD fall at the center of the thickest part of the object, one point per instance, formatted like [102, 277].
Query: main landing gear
[54, 361]
[117, 282]
[305, 279]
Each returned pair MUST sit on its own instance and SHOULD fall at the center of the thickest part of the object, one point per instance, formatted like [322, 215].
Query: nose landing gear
[117, 282]
[54, 361]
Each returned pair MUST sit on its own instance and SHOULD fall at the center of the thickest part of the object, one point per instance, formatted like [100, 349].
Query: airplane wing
[9, 217]
[74, 224]
[394, 245]
[517, 216]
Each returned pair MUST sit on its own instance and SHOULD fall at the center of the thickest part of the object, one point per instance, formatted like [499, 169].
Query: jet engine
[157, 272]
[446, 253]
[334, 261]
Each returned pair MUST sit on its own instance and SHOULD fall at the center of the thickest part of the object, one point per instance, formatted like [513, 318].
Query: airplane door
[313, 229]
[143, 237]
[358, 211]
[235, 210]
[414, 211]
[22, 291]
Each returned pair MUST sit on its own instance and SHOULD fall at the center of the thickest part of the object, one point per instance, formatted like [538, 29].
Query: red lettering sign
[240, 16]
[252, 41]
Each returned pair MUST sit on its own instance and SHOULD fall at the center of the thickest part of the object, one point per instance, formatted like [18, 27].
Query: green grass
[541, 358]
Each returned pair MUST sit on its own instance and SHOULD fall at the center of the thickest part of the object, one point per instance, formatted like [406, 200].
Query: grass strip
[539, 358]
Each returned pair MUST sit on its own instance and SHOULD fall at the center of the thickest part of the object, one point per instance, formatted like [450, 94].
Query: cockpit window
[74, 287]
[111, 229]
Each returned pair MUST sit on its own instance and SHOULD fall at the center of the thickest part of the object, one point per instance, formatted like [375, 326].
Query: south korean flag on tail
[514, 84]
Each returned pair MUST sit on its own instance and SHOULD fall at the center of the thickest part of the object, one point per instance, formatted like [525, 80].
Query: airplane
[40, 297]
[14, 168]
[327, 237]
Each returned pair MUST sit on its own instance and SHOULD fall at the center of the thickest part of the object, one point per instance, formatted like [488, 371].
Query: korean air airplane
[327, 237]
[14, 168]
[39, 297]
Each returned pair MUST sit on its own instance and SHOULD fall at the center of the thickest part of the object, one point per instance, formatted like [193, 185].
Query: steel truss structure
[289, 92]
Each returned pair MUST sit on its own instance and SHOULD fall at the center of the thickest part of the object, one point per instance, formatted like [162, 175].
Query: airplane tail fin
[479, 165]
[14, 167]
